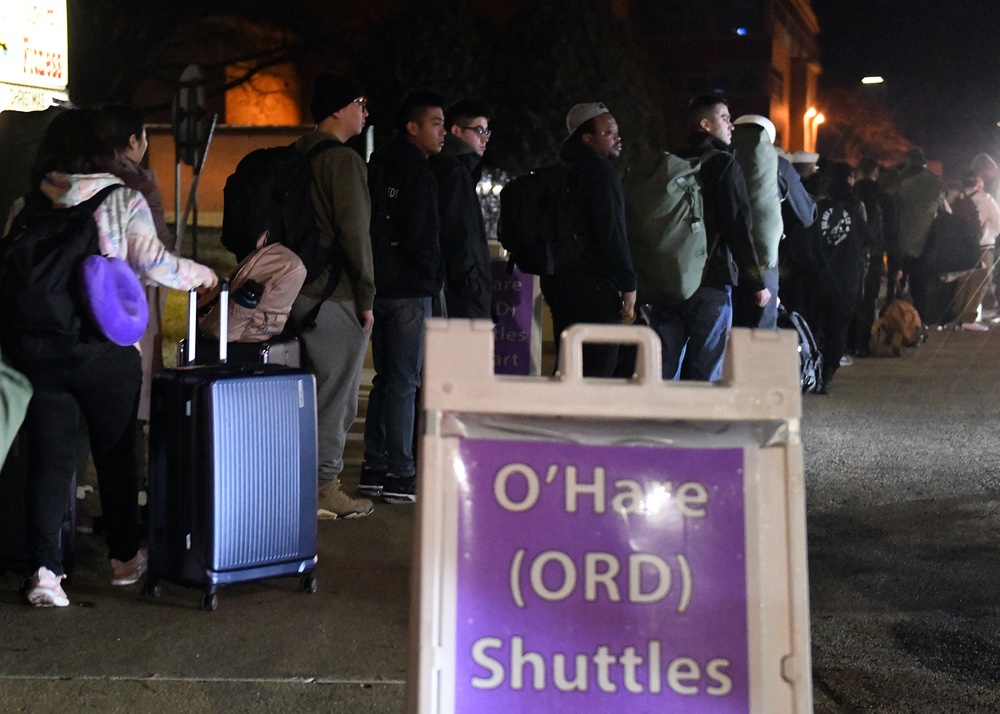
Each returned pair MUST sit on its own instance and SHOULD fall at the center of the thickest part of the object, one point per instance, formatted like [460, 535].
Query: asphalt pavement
[903, 519]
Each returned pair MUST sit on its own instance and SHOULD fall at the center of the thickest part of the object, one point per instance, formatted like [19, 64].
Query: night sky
[940, 60]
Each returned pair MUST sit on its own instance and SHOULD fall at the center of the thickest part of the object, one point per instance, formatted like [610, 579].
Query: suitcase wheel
[308, 583]
[209, 602]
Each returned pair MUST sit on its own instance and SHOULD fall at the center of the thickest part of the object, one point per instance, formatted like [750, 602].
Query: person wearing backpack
[837, 241]
[753, 144]
[876, 205]
[335, 346]
[918, 198]
[698, 328]
[408, 275]
[593, 280]
[981, 210]
[79, 371]
[464, 246]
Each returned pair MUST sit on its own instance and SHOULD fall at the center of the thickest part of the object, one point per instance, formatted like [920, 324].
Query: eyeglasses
[479, 130]
[361, 102]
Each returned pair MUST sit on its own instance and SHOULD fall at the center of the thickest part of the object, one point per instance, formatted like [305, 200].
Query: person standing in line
[408, 274]
[973, 285]
[919, 197]
[753, 142]
[594, 282]
[130, 148]
[838, 238]
[335, 347]
[100, 380]
[704, 326]
[464, 246]
[876, 204]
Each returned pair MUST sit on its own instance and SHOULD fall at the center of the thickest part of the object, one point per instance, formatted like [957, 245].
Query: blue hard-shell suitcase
[232, 476]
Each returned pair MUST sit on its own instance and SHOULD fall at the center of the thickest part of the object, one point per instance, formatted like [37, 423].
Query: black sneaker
[399, 489]
[371, 481]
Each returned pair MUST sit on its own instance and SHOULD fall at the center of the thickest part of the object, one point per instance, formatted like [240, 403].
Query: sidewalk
[268, 647]
[903, 517]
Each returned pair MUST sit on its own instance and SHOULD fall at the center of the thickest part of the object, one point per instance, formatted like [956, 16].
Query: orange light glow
[268, 98]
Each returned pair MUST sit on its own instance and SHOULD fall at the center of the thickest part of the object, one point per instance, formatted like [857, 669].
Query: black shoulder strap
[320, 147]
[98, 198]
[309, 321]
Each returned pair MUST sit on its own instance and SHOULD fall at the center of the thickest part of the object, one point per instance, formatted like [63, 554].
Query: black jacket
[727, 215]
[405, 224]
[597, 206]
[464, 247]
[877, 204]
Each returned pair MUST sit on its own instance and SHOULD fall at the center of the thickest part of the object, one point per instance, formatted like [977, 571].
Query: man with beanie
[593, 281]
[335, 347]
[464, 246]
[408, 274]
[706, 317]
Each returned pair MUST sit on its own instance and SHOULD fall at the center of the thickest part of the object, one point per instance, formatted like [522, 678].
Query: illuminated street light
[816, 121]
[809, 120]
[872, 80]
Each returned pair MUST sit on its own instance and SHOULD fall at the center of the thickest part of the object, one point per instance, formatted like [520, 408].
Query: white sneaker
[846, 361]
[974, 327]
[46, 589]
[128, 572]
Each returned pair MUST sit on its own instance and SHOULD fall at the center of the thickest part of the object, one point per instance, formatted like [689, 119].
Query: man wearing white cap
[805, 163]
[593, 280]
[753, 140]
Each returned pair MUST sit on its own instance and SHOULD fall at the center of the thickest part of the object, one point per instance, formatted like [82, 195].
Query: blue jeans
[398, 355]
[693, 333]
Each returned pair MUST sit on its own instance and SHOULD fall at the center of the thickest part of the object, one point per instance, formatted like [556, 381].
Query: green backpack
[665, 218]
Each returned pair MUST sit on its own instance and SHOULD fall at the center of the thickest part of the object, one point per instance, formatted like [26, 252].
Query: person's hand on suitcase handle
[206, 286]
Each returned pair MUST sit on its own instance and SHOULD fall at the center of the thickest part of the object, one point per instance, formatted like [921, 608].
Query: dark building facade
[761, 54]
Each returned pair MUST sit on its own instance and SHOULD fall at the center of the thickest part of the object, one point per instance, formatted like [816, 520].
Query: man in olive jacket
[335, 347]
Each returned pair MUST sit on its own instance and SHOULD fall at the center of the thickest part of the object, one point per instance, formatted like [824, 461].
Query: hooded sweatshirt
[125, 228]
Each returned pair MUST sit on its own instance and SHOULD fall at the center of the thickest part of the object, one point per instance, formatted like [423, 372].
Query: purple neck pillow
[114, 298]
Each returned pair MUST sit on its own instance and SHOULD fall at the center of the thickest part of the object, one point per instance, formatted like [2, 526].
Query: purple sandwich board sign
[598, 575]
[517, 332]
[608, 545]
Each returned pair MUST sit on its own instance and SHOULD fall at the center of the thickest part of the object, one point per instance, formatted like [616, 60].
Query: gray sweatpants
[335, 352]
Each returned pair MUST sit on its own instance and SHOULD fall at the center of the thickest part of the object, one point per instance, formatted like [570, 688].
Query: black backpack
[534, 219]
[43, 318]
[271, 190]
[953, 244]
[810, 358]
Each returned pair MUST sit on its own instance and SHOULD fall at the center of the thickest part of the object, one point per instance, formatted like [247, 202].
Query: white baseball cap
[583, 112]
[760, 121]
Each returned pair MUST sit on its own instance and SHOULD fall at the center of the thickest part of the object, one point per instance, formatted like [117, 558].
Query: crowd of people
[785, 232]
[407, 239]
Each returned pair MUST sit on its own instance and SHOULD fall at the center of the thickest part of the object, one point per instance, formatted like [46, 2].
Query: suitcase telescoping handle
[223, 322]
